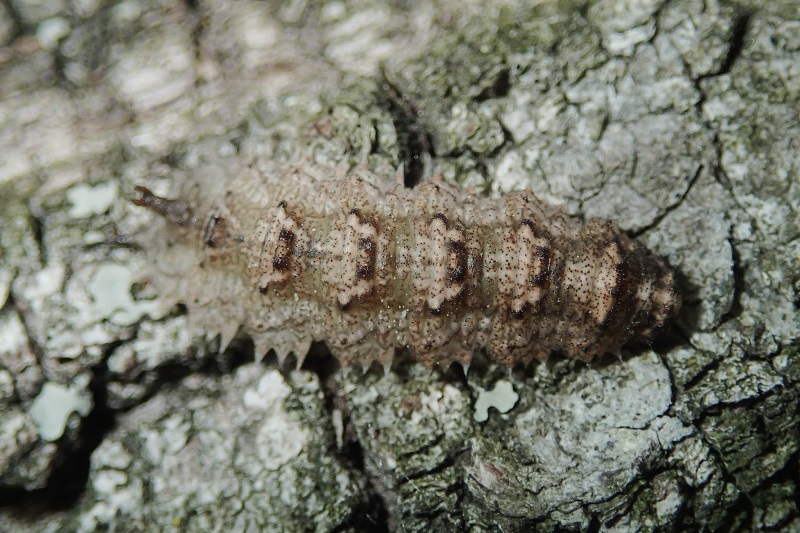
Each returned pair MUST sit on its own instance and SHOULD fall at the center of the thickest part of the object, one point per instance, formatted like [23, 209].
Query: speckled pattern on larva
[369, 266]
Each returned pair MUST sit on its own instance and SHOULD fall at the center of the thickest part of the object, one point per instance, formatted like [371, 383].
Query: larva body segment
[370, 266]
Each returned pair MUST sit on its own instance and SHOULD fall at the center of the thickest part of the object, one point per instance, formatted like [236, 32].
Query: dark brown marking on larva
[281, 263]
[371, 266]
[285, 236]
[365, 272]
[283, 253]
[366, 259]
[543, 254]
[277, 251]
[448, 263]
[359, 249]
[533, 269]
[456, 261]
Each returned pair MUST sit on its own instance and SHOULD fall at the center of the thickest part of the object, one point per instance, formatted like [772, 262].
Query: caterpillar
[288, 257]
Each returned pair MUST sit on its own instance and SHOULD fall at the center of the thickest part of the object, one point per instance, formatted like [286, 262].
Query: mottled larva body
[369, 266]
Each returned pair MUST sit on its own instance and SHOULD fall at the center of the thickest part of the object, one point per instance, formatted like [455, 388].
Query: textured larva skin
[369, 266]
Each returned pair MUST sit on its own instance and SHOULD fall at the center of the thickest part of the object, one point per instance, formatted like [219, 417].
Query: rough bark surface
[678, 120]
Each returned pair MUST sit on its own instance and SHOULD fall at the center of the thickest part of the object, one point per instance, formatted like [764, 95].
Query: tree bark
[677, 120]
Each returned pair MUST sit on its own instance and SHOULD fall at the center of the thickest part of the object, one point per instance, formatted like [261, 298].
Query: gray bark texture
[678, 120]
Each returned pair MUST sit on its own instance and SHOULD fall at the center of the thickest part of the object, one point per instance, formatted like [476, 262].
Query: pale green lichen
[87, 200]
[502, 397]
[53, 406]
[110, 291]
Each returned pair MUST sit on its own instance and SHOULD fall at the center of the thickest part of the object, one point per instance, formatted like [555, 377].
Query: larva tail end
[143, 194]
[175, 211]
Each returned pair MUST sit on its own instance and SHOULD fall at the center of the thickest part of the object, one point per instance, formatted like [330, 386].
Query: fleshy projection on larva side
[368, 266]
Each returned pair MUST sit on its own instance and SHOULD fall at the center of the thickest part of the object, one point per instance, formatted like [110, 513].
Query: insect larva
[369, 266]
